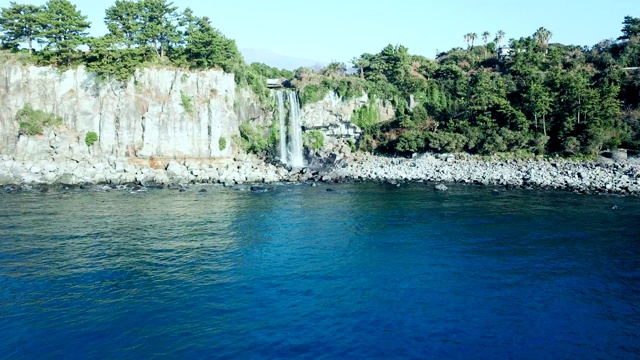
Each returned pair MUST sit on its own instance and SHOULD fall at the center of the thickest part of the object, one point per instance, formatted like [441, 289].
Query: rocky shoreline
[604, 176]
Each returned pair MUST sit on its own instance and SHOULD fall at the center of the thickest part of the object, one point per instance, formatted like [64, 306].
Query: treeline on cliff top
[531, 97]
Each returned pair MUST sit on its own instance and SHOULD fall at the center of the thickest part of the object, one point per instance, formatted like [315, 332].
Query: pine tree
[20, 23]
[159, 30]
[64, 31]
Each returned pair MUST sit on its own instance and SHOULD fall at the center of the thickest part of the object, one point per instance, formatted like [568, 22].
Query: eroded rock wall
[162, 112]
[332, 115]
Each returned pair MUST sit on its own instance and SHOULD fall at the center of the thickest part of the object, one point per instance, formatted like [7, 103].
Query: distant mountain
[278, 60]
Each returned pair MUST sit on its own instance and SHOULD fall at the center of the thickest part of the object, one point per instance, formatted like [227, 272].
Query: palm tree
[542, 37]
[467, 38]
[485, 39]
[473, 37]
[499, 37]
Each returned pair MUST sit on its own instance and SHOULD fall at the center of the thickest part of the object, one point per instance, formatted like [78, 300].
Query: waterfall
[291, 142]
[283, 127]
[295, 134]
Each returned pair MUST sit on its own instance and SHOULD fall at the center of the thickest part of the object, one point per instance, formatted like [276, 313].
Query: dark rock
[330, 189]
[203, 190]
[258, 189]
[183, 190]
[151, 184]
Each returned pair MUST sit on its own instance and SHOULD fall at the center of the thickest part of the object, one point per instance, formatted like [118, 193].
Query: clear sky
[329, 30]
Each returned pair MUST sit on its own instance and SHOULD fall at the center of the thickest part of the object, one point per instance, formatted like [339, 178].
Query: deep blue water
[366, 271]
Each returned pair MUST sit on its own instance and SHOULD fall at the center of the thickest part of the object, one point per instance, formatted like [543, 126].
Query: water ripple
[366, 271]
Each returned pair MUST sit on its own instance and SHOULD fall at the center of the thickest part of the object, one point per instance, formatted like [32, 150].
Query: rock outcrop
[332, 115]
[169, 113]
[161, 112]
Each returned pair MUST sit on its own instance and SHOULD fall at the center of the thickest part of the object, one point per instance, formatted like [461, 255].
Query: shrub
[222, 143]
[187, 102]
[366, 117]
[446, 141]
[33, 121]
[246, 76]
[313, 139]
[349, 88]
[253, 139]
[352, 145]
[312, 93]
[410, 141]
[90, 138]
[572, 145]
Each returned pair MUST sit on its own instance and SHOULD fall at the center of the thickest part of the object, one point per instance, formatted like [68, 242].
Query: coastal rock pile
[620, 178]
[150, 173]
[78, 169]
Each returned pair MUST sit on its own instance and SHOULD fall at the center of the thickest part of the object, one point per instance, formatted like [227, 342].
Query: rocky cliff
[164, 113]
[332, 115]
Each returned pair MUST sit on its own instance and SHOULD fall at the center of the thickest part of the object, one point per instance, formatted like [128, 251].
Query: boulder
[67, 179]
[6, 178]
[441, 187]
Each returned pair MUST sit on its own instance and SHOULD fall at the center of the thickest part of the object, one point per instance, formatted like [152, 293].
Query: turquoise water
[365, 271]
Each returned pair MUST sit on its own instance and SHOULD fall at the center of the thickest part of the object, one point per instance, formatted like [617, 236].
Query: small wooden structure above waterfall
[275, 83]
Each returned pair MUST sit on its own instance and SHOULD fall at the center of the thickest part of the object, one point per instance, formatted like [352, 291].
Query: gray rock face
[332, 115]
[165, 112]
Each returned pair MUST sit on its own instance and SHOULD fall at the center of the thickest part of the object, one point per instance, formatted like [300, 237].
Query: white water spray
[291, 143]
[296, 159]
[283, 127]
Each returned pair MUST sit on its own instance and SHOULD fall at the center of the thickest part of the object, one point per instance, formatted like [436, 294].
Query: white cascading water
[296, 159]
[283, 127]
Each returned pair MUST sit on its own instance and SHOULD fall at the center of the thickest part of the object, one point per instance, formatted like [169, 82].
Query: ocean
[333, 271]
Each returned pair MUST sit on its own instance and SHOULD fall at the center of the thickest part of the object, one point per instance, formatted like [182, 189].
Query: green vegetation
[312, 93]
[541, 98]
[246, 76]
[313, 139]
[187, 102]
[314, 86]
[253, 139]
[536, 97]
[141, 33]
[367, 118]
[33, 122]
[222, 143]
[90, 138]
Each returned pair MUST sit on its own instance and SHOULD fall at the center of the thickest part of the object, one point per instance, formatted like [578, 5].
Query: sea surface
[366, 271]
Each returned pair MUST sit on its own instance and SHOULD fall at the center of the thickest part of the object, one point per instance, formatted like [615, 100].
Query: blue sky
[329, 30]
